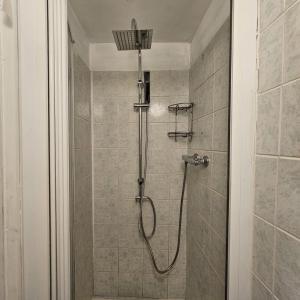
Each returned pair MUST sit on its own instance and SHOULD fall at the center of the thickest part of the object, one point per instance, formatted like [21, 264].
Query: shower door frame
[60, 242]
[244, 75]
[242, 148]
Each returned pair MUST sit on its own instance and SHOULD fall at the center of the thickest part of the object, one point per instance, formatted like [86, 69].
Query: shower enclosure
[139, 40]
[149, 163]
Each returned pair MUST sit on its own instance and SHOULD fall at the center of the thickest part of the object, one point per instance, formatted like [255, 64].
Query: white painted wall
[215, 16]
[162, 56]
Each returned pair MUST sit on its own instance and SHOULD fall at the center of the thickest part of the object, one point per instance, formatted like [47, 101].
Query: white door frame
[34, 148]
[59, 149]
[243, 94]
[242, 148]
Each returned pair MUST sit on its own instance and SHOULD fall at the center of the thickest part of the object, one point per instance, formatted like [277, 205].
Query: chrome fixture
[137, 40]
[182, 108]
[133, 39]
[196, 159]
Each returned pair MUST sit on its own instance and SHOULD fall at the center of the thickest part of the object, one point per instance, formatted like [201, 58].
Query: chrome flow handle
[196, 159]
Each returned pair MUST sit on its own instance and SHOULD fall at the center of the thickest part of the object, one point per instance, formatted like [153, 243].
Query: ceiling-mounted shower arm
[137, 34]
[134, 24]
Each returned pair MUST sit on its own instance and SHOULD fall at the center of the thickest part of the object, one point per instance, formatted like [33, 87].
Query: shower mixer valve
[196, 159]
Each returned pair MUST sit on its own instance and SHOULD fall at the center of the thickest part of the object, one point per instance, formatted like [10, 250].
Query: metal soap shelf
[176, 107]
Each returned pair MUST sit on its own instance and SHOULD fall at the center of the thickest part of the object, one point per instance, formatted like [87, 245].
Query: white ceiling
[172, 20]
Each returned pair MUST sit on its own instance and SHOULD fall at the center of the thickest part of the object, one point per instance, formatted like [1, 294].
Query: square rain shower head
[133, 39]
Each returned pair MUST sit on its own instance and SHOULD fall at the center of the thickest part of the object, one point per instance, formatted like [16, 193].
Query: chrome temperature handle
[196, 159]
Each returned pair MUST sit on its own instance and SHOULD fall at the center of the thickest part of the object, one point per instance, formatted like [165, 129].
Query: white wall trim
[33, 90]
[59, 149]
[82, 43]
[11, 158]
[242, 156]
[162, 56]
[217, 13]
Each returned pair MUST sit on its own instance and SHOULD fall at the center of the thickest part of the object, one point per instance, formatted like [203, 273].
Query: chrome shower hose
[171, 266]
[141, 220]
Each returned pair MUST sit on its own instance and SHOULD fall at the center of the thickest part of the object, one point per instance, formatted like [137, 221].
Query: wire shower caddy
[185, 108]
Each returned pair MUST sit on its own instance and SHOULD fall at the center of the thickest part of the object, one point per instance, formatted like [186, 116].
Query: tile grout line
[262, 283]
[282, 14]
[274, 252]
[280, 85]
[278, 228]
[279, 157]
[274, 229]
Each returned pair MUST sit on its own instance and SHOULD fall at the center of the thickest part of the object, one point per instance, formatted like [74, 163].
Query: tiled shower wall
[207, 187]
[81, 182]
[276, 252]
[122, 265]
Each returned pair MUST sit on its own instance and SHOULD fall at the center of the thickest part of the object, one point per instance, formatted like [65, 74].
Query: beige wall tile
[222, 46]
[279, 195]
[221, 88]
[155, 286]
[128, 212]
[130, 284]
[115, 168]
[114, 84]
[217, 255]
[169, 83]
[287, 267]
[205, 129]
[82, 89]
[176, 287]
[218, 213]
[259, 291]
[288, 3]
[205, 100]
[106, 260]
[82, 134]
[105, 109]
[269, 11]
[267, 126]
[292, 43]
[105, 211]
[220, 132]
[130, 260]
[263, 251]
[219, 175]
[265, 188]
[270, 54]
[81, 181]
[129, 237]
[106, 236]
[288, 205]
[106, 284]
[290, 123]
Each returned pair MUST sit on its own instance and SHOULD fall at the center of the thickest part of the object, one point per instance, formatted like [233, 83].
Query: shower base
[129, 298]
